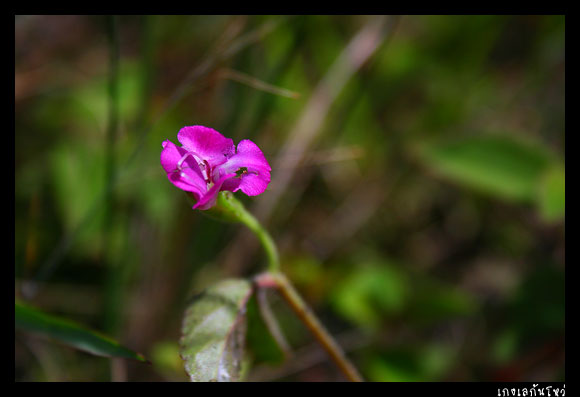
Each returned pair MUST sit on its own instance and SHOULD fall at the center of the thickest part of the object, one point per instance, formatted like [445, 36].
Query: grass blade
[70, 333]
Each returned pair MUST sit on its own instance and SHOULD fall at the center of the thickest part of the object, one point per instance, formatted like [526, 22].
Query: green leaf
[552, 193]
[434, 301]
[214, 331]
[499, 165]
[371, 294]
[77, 180]
[70, 333]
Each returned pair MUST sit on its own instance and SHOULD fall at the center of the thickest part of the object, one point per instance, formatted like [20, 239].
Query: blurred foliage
[424, 223]
[503, 168]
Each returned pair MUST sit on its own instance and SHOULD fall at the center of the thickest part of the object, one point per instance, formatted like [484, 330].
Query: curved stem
[228, 208]
[266, 241]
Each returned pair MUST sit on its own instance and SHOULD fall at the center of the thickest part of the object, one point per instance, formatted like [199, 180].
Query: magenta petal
[208, 200]
[232, 184]
[189, 178]
[207, 157]
[250, 156]
[254, 184]
[255, 179]
[206, 143]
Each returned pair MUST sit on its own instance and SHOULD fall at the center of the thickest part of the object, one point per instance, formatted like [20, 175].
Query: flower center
[204, 166]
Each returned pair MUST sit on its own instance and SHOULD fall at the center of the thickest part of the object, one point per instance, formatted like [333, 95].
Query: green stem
[265, 239]
[114, 282]
[228, 208]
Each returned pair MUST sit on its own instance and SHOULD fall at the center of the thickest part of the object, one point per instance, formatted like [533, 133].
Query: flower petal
[206, 143]
[254, 184]
[232, 184]
[189, 177]
[256, 177]
[208, 200]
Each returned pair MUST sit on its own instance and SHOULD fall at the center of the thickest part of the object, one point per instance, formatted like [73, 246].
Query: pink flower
[207, 163]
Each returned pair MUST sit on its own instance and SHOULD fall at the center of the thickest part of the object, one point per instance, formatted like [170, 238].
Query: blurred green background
[417, 190]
